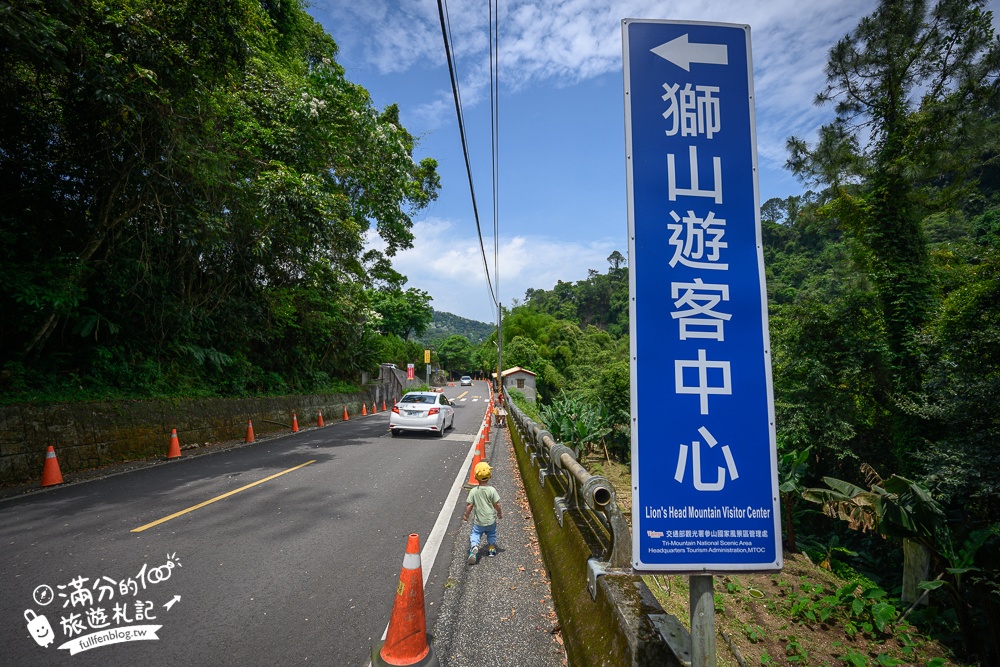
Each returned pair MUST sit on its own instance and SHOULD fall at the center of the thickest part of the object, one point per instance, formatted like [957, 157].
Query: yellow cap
[483, 471]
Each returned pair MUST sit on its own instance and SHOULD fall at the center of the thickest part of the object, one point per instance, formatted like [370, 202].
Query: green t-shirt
[482, 498]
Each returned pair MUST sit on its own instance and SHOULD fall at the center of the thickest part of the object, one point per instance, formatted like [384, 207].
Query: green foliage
[564, 356]
[754, 633]
[186, 192]
[521, 351]
[855, 659]
[960, 395]
[444, 325]
[795, 652]
[613, 387]
[883, 290]
[575, 422]
[895, 507]
[825, 554]
[915, 101]
[792, 467]
[529, 408]
[600, 300]
[457, 354]
[401, 313]
[614, 392]
[859, 610]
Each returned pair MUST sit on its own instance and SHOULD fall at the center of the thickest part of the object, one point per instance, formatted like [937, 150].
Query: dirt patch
[803, 615]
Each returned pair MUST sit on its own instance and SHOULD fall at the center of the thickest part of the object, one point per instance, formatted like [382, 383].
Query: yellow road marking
[461, 395]
[217, 498]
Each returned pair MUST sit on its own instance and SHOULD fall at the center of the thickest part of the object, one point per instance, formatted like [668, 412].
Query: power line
[494, 31]
[446, 34]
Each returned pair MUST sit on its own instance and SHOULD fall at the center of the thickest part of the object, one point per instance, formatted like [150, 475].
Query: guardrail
[394, 382]
[581, 491]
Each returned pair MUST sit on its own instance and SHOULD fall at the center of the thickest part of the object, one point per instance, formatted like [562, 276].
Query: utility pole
[499, 346]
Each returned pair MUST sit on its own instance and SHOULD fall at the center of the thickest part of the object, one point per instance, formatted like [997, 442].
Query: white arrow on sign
[682, 53]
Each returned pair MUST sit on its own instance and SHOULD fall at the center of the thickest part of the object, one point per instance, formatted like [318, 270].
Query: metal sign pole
[702, 598]
[698, 301]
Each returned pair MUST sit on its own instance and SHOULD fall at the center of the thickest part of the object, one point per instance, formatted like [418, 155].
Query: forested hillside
[443, 325]
[600, 300]
[184, 190]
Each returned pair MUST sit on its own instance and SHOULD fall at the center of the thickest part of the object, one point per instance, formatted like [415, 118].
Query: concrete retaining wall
[89, 435]
[613, 630]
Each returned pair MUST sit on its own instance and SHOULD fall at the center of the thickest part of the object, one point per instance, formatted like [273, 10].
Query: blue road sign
[704, 462]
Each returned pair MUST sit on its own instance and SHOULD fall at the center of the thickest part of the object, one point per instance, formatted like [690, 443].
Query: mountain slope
[446, 324]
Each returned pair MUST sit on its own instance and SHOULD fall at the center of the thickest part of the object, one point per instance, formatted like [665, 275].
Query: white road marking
[433, 543]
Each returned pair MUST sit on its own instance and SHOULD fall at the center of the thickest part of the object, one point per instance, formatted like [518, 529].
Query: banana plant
[792, 468]
[576, 423]
[961, 562]
[894, 507]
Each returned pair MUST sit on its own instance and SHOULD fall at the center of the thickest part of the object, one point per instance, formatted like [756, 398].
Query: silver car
[466, 381]
[422, 411]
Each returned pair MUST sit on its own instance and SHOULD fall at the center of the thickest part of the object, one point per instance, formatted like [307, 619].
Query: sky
[561, 136]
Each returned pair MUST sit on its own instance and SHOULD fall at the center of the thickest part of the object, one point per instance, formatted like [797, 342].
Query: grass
[804, 615]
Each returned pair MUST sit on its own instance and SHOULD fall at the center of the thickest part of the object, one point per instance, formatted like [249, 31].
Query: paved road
[300, 568]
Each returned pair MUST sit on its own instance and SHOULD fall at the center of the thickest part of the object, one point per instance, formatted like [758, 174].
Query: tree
[521, 351]
[616, 260]
[456, 354]
[914, 96]
[188, 181]
[403, 313]
[961, 367]
[614, 392]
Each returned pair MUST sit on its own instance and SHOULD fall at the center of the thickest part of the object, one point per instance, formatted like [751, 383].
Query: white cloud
[449, 265]
[561, 42]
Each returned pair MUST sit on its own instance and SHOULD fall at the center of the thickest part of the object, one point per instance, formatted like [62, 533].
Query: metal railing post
[558, 461]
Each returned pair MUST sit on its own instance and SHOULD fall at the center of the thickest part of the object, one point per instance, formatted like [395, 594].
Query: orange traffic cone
[345, 414]
[476, 458]
[364, 410]
[174, 452]
[407, 641]
[319, 418]
[374, 406]
[383, 405]
[249, 437]
[50, 472]
[295, 423]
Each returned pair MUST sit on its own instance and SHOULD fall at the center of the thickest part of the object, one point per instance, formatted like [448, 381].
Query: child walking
[485, 500]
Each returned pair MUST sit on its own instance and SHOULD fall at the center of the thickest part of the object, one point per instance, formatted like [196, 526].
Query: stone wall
[89, 435]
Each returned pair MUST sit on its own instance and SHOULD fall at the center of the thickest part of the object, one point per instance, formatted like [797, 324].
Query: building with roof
[521, 379]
